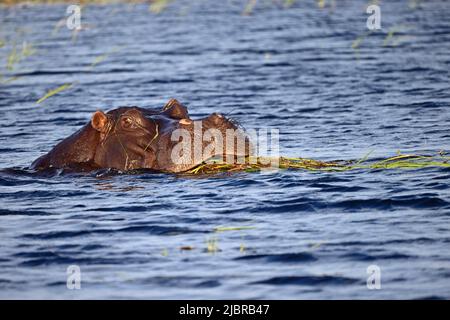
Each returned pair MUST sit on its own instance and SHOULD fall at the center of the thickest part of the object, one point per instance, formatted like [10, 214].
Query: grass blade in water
[54, 91]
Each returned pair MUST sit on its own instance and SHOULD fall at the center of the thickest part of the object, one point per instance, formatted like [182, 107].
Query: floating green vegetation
[211, 245]
[357, 42]
[27, 49]
[99, 59]
[317, 245]
[249, 7]
[289, 3]
[392, 39]
[12, 59]
[389, 36]
[9, 80]
[414, 4]
[17, 54]
[251, 4]
[157, 6]
[222, 229]
[255, 164]
[54, 91]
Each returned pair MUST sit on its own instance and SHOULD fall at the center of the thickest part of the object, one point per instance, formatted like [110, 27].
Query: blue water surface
[334, 89]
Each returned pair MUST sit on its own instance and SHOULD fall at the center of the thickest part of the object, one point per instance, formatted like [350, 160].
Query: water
[313, 235]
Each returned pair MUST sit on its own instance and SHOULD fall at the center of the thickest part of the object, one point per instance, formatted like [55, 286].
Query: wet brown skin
[130, 138]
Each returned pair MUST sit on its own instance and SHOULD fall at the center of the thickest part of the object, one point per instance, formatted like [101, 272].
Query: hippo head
[165, 139]
[125, 138]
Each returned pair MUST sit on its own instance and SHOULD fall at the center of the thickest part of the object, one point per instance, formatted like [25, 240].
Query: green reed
[255, 164]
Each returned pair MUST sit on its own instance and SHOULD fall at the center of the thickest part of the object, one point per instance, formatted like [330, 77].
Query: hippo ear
[99, 121]
[174, 109]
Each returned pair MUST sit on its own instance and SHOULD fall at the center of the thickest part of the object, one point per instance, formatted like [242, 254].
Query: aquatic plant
[211, 245]
[54, 91]
[15, 56]
[9, 80]
[99, 59]
[249, 7]
[12, 59]
[157, 6]
[222, 229]
[255, 164]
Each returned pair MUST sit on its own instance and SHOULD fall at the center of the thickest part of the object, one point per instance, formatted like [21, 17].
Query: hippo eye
[127, 122]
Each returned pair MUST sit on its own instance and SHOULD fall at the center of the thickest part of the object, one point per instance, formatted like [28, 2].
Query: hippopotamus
[164, 139]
